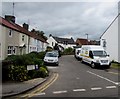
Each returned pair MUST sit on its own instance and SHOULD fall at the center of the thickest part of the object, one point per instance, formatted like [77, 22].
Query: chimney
[50, 35]
[25, 26]
[10, 18]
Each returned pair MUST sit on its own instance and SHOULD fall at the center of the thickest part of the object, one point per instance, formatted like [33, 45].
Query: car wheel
[92, 65]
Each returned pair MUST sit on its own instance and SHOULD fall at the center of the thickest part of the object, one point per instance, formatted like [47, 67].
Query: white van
[95, 55]
[77, 53]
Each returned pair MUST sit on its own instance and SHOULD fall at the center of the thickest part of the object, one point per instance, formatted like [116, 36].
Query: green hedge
[68, 51]
[18, 66]
[18, 73]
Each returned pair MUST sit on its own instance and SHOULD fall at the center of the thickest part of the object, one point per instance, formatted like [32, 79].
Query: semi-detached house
[17, 40]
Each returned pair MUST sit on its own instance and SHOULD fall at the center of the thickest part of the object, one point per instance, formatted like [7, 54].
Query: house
[109, 39]
[63, 43]
[82, 41]
[17, 40]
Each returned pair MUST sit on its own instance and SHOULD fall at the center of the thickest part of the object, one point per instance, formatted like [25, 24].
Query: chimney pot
[10, 18]
[25, 26]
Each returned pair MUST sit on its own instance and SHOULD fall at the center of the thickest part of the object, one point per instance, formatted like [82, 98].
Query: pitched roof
[64, 40]
[82, 41]
[19, 28]
[7, 24]
[110, 25]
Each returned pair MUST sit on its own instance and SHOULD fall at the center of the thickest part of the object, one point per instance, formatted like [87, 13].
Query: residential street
[76, 79]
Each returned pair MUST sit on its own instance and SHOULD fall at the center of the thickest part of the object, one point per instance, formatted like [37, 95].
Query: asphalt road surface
[76, 79]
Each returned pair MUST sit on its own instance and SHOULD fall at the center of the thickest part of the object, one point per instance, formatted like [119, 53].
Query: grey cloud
[65, 19]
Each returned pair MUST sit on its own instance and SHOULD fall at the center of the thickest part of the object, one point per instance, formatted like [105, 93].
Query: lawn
[115, 65]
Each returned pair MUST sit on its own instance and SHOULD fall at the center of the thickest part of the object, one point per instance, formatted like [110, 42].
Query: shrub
[18, 63]
[5, 70]
[68, 51]
[49, 48]
[18, 73]
[43, 72]
[41, 55]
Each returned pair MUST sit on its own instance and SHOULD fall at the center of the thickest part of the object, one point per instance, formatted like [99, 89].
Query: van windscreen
[99, 53]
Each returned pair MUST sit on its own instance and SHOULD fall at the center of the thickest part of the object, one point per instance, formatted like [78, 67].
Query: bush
[41, 72]
[18, 63]
[68, 51]
[49, 48]
[5, 70]
[18, 73]
[41, 55]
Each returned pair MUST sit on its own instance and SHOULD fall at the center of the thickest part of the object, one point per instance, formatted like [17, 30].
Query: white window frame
[10, 50]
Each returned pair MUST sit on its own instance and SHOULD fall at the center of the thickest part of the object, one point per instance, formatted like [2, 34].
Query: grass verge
[115, 65]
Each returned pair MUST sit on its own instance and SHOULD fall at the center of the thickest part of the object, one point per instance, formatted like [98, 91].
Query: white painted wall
[66, 46]
[50, 40]
[111, 37]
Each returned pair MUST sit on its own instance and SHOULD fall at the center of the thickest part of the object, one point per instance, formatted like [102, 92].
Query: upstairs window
[23, 37]
[10, 33]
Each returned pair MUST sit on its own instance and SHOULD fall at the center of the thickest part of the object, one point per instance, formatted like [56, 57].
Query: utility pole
[13, 8]
[87, 38]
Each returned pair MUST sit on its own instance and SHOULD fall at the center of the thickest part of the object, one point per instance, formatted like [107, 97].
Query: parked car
[51, 58]
[56, 52]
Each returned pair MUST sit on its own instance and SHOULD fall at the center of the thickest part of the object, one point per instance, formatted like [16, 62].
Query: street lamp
[87, 38]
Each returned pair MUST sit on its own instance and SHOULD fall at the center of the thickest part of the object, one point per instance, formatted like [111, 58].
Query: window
[11, 50]
[52, 43]
[23, 37]
[14, 50]
[10, 33]
[104, 43]
[90, 54]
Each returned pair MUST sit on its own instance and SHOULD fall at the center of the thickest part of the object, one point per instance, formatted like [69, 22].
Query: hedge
[17, 66]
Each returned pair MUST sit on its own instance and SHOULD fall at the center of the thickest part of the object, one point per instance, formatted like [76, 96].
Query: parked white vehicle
[77, 53]
[95, 55]
[51, 58]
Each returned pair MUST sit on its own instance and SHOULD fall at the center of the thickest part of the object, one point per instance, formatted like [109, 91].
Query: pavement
[11, 88]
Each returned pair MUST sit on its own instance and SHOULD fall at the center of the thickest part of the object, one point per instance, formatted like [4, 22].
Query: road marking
[59, 92]
[113, 73]
[116, 83]
[38, 94]
[45, 86]
[77, 78]
[79, 90]
[96, 88]
[109, 87]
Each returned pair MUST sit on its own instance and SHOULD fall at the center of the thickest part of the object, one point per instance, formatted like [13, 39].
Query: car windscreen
[51, 55]
[99, 53]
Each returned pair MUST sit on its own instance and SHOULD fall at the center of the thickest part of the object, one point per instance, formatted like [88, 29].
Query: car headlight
[45, 59]
[56, 60]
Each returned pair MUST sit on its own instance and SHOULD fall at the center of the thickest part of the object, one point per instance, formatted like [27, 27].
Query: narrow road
[76, 79]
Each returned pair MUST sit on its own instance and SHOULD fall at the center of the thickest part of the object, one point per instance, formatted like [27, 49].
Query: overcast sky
[64, 19]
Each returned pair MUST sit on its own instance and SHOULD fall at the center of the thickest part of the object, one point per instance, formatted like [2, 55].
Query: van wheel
[92, 65]
[81, 60]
